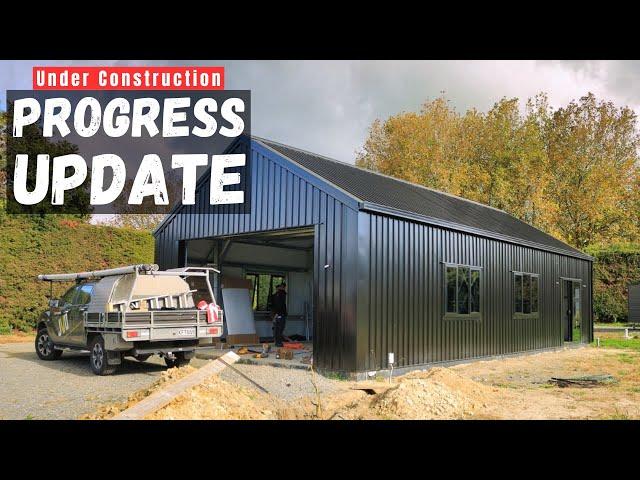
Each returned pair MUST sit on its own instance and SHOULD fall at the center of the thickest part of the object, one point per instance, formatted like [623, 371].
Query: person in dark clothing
[279, 311]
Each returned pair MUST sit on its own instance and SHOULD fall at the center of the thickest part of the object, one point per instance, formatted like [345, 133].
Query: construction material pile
[585, 381]
[439, 393]
[217, 399]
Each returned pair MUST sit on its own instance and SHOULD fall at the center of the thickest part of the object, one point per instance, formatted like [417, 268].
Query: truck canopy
[150, 292]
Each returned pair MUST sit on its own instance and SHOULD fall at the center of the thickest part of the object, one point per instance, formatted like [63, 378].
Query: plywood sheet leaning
[238, 311]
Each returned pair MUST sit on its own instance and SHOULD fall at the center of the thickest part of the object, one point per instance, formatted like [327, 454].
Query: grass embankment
[30, 246]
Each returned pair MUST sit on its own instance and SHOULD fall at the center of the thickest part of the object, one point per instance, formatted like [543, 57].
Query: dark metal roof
[415, 201]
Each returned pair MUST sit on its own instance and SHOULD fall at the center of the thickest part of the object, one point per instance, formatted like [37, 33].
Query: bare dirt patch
[524, 392]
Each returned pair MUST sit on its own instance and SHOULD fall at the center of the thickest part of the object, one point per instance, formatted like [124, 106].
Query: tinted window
[452, 289]
[534, 294]
[526, 288]
[462, 290]
[526, 294]
[475, 291]
[68, 296]
[84, 294]
[517, 293]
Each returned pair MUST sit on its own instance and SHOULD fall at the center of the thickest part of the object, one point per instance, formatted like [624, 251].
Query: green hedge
[33, 245]
[615, 268]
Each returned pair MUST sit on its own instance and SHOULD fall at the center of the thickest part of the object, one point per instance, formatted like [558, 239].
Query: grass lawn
[630, 343]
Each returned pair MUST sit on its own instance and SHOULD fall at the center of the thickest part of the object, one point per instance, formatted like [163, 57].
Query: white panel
[238, 313]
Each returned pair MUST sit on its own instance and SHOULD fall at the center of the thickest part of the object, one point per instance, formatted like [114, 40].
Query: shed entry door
[572, 310]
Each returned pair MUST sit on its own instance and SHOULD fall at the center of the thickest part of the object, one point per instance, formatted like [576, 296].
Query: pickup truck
[135, 311]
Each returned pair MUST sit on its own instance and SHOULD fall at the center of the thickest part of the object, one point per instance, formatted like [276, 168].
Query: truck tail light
[136, 334]
[212, 331]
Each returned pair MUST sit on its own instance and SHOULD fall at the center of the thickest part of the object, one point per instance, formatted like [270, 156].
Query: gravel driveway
[288, 384]
[65, 388]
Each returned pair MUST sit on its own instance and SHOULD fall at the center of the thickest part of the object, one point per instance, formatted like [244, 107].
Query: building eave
[384, 210]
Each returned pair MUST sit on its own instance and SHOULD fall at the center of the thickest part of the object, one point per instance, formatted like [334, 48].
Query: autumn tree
[572, 172]
[422, 147]
[138, 221]
[592, 148]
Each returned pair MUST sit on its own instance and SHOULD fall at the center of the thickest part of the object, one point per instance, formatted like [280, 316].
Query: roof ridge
[308, 152]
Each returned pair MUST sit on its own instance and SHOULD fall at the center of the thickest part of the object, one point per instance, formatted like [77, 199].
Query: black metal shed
[392, 267]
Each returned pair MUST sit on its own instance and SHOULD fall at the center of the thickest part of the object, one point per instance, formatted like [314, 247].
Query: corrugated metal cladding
[634, 303]
[285, 196]
[401, 295]
[378, 276]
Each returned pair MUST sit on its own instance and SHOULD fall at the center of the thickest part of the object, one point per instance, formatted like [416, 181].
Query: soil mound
[439, 393]
[217, 399]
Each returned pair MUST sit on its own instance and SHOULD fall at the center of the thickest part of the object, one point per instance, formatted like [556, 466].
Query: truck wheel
[45, 347]
[98, 357]
[179, 361]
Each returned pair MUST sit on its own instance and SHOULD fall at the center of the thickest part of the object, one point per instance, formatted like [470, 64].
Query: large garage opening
[258, 263]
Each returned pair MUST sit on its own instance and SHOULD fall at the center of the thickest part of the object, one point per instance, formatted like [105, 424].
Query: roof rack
[69, 277]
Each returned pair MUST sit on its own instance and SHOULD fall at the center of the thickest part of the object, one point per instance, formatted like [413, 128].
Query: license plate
[185, 332]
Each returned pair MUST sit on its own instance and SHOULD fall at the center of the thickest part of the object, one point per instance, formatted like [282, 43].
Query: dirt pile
[514, 388]
[217, 399]
[439, 393]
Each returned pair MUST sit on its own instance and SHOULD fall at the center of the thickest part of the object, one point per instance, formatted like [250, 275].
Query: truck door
[76, 333]
[59, 315]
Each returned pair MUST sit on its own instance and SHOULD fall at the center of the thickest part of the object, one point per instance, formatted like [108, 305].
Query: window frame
[522, 315]
[271, 273]
[462, 316]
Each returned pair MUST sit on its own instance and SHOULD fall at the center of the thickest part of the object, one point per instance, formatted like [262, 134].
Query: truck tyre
[179, 361]
[98, 357]
[45, 349]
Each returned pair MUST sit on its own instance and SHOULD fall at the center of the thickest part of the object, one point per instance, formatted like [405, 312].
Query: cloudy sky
[327, 106]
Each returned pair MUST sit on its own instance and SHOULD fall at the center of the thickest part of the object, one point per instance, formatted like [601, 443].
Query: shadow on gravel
[77, 363]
